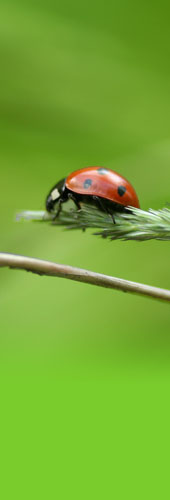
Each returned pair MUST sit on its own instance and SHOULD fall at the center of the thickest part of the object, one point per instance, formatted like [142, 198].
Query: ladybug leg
[73, 198]
[102, 206]
[113, 219]
[111, 215]
[56, 215]
[99, 201]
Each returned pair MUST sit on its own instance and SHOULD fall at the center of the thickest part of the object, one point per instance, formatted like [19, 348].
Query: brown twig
[46, 268]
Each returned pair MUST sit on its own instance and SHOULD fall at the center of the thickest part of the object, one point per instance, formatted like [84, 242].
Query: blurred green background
[84, 371]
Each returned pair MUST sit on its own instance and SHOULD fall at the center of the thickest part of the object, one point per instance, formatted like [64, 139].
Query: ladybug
[99, 186]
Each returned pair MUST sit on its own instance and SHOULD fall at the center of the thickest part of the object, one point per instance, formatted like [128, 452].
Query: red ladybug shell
[103, 182]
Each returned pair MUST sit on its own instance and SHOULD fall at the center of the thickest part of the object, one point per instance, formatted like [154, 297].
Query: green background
[84, 371]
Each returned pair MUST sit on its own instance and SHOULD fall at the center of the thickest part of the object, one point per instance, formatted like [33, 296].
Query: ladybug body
[99, 186]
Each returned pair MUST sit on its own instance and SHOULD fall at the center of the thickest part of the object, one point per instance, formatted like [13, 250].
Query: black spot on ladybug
[102, 171]
[87, 183]
[121, 190]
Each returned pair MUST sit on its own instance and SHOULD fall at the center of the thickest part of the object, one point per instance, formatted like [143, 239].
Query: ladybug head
[54, 196]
